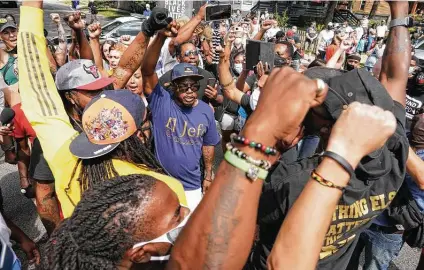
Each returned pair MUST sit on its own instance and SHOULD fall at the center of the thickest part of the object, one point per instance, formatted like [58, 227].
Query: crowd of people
[116, 142]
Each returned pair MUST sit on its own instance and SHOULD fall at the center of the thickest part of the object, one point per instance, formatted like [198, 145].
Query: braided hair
[132, 150]
[99, 232]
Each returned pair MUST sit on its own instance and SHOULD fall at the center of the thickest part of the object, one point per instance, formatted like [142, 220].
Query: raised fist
[94, 30]
[74, 21]
[55, 18]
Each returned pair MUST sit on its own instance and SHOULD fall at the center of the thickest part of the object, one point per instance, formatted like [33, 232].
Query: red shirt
[330, 52]
[23, 128]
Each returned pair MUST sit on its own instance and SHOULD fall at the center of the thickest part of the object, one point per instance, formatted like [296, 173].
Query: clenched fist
[94, 30]
[360, 130]
[55, 18]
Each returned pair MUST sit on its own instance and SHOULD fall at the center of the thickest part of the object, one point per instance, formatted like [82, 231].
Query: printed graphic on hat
[92, 70]
[107, 121]
[188, 69]
[107, 125]
[412, 106]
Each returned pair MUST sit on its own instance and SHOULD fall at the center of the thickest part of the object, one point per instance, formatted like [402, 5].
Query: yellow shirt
[44, 109]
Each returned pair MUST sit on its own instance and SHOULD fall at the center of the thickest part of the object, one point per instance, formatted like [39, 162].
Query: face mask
[350, 67]
[237, 41]
[238, 68]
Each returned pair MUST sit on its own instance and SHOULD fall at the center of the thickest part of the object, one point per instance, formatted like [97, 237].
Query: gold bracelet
[325, 182]
[228, 84]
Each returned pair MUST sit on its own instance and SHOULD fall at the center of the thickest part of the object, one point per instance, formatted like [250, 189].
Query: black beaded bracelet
[264, 164]
[341, 160]
[242, 140]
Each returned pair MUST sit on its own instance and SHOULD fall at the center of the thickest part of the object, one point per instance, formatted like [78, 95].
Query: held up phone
[218, 12]
[211, 82]
[259, 51]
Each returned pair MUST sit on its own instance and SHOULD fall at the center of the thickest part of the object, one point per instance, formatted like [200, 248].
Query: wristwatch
[407, 22]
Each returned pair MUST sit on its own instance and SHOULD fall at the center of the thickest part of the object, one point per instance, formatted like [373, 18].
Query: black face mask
[14, 50]
[350, 67]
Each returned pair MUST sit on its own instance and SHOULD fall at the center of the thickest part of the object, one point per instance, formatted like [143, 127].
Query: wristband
[325, 182]
[252, 172]
[341, 161]
[228, 84]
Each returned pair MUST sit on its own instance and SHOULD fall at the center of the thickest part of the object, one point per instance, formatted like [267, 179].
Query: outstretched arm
[397, 55]
[150, 78]
[221, 230]
[41, 102]
[185, 32]
[77, 24]
[94, 31]
[131, 60]
[62, 47]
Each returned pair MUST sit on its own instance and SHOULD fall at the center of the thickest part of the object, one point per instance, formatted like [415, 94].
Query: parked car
[8, 4]
[130, 28]
[116, 24]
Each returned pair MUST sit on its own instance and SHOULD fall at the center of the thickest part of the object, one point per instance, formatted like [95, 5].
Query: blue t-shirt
[179, 135]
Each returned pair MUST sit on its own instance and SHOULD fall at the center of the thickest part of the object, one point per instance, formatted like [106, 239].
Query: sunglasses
[184, 87]
[191, 52]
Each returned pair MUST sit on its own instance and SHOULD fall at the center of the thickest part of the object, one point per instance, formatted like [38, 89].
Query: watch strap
[399, 22]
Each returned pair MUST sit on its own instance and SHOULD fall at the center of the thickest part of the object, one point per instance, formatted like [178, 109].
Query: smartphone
[218, 12]
[211, 82]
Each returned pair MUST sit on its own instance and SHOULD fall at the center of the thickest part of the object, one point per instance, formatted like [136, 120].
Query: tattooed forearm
[131, 60]
[224, 219]
[208, 157]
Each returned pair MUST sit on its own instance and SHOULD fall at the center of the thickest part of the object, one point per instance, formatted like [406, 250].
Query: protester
[49, 114]
[112, 218]
[121, 119]
[185, 128]
[311, 35]
[233, 199]
[324, 39]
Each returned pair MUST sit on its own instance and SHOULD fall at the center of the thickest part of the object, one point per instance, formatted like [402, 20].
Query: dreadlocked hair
[100, 229]
[132, 150]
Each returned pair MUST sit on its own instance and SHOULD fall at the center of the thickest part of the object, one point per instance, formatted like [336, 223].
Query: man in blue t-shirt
[184, 127]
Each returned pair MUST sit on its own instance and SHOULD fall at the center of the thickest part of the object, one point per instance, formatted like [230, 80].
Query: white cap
[330, 24]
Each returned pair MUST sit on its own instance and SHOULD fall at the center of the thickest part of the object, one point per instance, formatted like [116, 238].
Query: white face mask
[238, 68]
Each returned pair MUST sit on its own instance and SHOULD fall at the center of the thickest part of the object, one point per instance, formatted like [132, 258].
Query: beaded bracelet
[325, 182]
[242, 140]
[264, 164]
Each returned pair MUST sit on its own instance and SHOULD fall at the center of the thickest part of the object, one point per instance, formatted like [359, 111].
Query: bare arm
[220, 231]
[415, 168]
[60, 54]
[241, 81]
[397, 55]
[225, 78]
[264, 27]
[131, 60]
[337, 60]
[301, 236]
[150, 78]
[208, 153]
[185, 32]
[52, 60]
[85, 49]
[23, 160]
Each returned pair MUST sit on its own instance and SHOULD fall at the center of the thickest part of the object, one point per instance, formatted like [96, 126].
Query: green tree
[282, 19]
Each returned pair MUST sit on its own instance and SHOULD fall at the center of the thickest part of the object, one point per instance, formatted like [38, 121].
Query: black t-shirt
[361, 202]
[414, 101]
[166, 78]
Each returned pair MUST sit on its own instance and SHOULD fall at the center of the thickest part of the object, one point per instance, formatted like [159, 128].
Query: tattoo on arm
[224, 221]
[123, 73]
[208, 157]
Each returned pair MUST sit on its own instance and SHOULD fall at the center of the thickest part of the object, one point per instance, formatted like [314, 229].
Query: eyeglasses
[184, 87]
[191, 52]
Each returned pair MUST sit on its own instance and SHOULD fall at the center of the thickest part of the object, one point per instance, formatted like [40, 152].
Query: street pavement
[22, 210]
